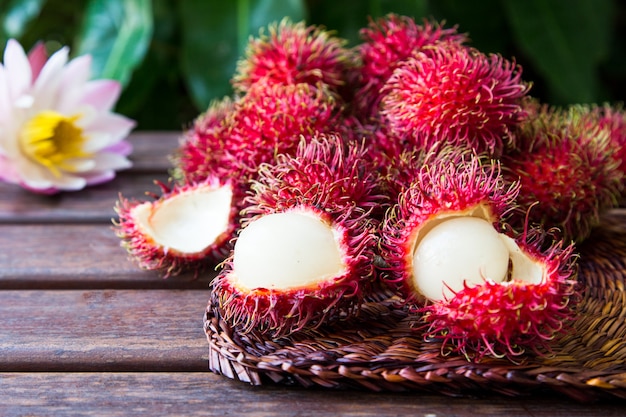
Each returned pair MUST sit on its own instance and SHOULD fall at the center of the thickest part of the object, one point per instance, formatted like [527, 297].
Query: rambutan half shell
[187, 228]
[305, 252]
[455, 95]
[450, 185]
[479, 287]
[524, 313]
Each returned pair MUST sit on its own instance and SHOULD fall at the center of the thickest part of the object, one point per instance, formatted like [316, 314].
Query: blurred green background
[173, 57]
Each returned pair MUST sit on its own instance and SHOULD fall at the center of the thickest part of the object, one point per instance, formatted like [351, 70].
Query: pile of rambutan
[412, 161]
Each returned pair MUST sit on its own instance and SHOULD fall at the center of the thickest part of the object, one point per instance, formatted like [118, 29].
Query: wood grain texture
[204, 394]
[91, 205]
[152, 151]
[108, 330]
[75, 256]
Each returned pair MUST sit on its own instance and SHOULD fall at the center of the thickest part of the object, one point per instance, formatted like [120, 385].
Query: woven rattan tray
[378, 352]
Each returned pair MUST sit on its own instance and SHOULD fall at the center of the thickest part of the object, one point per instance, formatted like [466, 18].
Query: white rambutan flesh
[286, 251]
[187, 228]
[466, 251]
[187, 222]
[458, 251]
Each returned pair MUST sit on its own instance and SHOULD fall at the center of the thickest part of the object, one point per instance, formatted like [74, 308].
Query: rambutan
[201, 152]
[387, 43]
[186, 228]
[613, 118]
[455, 95]
[271, 119]
[446, 253]
[568, 170]
[525, 312]
[305, 253]
[293, 53]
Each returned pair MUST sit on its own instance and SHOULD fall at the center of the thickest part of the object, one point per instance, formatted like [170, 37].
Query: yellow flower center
[53, 140]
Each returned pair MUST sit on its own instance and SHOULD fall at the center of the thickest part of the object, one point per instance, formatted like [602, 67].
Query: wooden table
[84, 331]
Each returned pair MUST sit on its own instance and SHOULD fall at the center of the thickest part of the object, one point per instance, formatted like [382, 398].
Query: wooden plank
[92, 204]
[152, 150]
[204, 394]
[75, 256]
[105, 330]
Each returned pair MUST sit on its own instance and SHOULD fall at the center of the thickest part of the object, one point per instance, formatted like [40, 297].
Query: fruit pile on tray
[412, 169]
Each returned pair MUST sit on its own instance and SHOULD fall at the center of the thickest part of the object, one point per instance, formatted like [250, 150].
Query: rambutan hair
[272, 118]
[386, 43]
[568, 169]
[448, 182]
[324, 180]
[509, 319]
[146, 247]
[293, 53]
[455, 95]
[200, 153]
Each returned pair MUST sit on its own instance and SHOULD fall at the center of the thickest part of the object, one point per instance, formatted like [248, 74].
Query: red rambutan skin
[151, 256]
[272, 118]
[326, 171]
[448, 183]
[568, 170]
[323, 180]
[455, 95]
[508, 319]
[201, 154]
[614, 119]
[387, 43]
[293, 53]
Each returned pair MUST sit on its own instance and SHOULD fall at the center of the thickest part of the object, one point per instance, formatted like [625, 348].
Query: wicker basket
[377, 350]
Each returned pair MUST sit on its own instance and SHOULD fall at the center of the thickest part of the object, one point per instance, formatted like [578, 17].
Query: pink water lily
[57, 128]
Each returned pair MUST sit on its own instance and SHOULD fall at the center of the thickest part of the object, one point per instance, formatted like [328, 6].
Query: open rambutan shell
[187, 228]
[447, 255]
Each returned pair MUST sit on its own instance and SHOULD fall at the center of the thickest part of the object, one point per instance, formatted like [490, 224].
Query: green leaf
[117, 34]
[566, 40]
[214, 37]
[17, 15]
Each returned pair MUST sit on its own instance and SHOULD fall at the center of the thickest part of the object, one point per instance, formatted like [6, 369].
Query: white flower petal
[77, 165]
[110, 161]
[101, 94]
[73, 83]
[116, 126]
[18, 71]
[5, 102]
[47, 84]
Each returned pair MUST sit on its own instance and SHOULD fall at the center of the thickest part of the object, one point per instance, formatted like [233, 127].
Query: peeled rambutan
[387, 43]
[524, 312]
[446, 254]
[271, 119]
[568, 170]
[305, 253]
[293, 53]
[186, 228]
[445, 187]
[455, 95]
